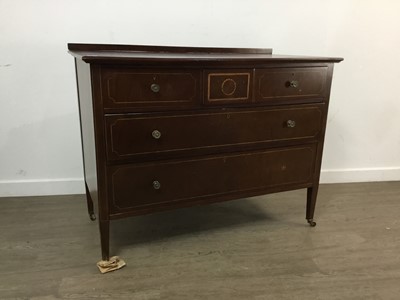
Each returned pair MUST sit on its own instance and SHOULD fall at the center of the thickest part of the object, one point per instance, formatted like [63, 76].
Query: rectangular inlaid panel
[184, 180]
[226, 86]
[128, 136]
[277, 84]
[136, 88]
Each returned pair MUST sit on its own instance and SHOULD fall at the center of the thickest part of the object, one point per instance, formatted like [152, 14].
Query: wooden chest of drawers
[170, 127]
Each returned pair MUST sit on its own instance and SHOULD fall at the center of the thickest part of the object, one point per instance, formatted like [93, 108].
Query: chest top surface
[103, 53]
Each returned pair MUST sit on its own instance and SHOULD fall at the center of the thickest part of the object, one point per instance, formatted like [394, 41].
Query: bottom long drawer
[138, 185]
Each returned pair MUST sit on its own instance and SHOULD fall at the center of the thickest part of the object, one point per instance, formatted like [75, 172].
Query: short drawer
[286, 84]
[228, 86]
[141, 89]
[129, 136]
[140, 185]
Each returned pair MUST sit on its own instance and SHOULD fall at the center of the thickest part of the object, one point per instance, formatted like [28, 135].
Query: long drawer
[130, 136]
[140, 185]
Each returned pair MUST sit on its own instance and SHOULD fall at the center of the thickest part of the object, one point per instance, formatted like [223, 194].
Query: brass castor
[311, 222]
[92, 216]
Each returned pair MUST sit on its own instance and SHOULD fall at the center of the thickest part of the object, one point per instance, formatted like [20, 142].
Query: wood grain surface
[258, 248]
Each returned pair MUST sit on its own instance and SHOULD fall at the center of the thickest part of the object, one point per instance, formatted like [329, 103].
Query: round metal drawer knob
[155, 88]
[156, 185]
[294, 84]
[156, 134]
[290, 123]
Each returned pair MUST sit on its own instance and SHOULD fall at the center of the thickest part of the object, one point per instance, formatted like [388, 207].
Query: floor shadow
[180, 222]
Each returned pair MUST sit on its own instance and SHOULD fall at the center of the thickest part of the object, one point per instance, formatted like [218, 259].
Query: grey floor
[258, 248]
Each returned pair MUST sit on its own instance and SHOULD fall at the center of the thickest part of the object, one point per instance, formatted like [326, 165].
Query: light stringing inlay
[228, 87]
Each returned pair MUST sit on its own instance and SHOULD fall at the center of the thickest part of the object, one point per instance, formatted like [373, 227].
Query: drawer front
[233, 86]
[129, 136]
[156, 183]
[134, 88]
[277, 84]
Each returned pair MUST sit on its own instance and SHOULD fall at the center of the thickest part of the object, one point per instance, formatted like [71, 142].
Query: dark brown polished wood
[169, 127]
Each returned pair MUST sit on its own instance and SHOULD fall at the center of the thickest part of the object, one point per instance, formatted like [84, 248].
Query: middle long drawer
[129, 136]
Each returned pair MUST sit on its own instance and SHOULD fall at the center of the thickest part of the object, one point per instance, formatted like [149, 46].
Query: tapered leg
[89, 200]
[311, 201]
[105, 239]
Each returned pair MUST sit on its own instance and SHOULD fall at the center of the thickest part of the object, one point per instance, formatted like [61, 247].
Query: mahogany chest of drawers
[170, 127]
